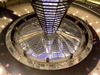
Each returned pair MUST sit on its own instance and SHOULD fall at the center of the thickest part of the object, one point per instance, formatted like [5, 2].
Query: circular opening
[62, 44]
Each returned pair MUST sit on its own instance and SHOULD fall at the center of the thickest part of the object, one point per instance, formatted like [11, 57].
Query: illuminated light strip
[25, 37]
[67, 44]
[96, 2]
[63, 34]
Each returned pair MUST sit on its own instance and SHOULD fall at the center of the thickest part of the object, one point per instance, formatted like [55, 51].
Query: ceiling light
[4, 17]
[98, 30]
[2, 26]
[27, 11]
[82, 17]
[95, 74]
[96, 22]
[87, 16]
[74, 14]
[19, 74]
[15, 12]
[90, 23]
[76, 11]
[19, 15]
[0, 70]
[10, 19]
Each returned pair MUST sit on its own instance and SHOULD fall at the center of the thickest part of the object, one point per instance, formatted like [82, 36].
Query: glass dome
[62, 44]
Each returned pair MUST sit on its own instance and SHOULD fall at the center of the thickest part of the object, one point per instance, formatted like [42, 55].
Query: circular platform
[26, 43]
[65, 42]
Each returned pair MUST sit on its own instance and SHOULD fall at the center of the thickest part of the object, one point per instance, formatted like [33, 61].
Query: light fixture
[15, 12]
[10, 19]
[87, 16]
[19, 74]
[82, 17]
[19, 15]
[74, 14]
[98, 30]
[90, 23]
[27, 11]
[0, 70]
[76, 11]
[2, 26]
[4, 17]
[95, 74]
[96, 22]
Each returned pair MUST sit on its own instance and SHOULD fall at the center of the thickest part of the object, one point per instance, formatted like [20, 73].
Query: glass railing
[95, 3]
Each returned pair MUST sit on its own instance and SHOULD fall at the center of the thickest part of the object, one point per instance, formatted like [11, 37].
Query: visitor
[24, 52]
[71, 56]
[24, 19]
[16, 28]
[47, 60]
[76, 22]
[95, 35]
[86, 23]
[94, 38]
[84, 32]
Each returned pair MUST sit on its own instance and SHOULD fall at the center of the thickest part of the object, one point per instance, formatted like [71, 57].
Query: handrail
[95, 10]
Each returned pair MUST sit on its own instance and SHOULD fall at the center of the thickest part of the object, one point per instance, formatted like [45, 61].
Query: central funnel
[50, 13]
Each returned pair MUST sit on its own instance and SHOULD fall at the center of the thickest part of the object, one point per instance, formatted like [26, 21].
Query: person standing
[24, 52]
[47, 60]
[86, 23]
